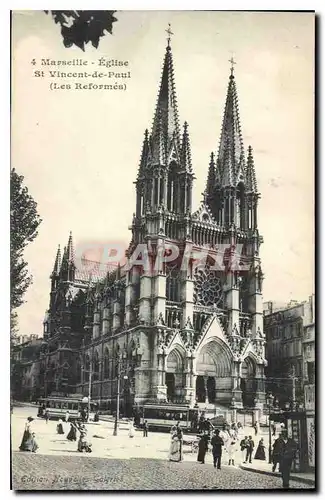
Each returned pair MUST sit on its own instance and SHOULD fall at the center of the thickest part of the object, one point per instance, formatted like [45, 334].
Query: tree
[79, 27]
[24, 222]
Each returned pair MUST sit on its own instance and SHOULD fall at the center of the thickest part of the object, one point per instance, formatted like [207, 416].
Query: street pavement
[119, 463]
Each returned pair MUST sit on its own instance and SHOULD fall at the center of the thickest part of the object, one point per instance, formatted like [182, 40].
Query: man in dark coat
[203, 447]
[217, 444]
[287, 449]
[145, 428]
[250, 447]
[276, 453]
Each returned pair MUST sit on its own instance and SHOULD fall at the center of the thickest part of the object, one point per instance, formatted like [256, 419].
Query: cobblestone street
[118, 463]
[36, 472]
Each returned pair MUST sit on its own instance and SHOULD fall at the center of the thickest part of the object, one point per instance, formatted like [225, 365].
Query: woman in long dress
[59, 427]
[28, 442]
[176, 446]
[203, 447]
[72, 435]
[260, 452]
[131, 429]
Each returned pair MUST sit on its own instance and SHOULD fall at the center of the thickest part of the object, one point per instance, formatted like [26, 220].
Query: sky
[79, 151]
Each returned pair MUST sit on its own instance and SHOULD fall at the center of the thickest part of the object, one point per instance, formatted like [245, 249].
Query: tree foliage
[79, 27]
[24, 222]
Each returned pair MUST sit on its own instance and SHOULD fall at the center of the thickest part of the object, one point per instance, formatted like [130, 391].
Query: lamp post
[117, 413]
[269, 401]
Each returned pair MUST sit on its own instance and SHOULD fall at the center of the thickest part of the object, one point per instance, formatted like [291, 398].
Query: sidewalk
[265, 468]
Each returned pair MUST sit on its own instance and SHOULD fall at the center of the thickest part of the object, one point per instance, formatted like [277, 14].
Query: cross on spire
[169, 32]
[232, 62]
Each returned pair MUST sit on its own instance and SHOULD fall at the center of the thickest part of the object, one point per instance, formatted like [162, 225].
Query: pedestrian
[232, 448]
[28, 442]
[260, 452]
[59, 427]
[145, 428]
[217, 444]
[249, 449]
[96, 416]
[273, 429]
[203, 447]
[201, 422]
[131, 429]
[176, 445]
[47, 416]
[288, 449]
[72, 434]
[243, 448]
[83, 443]
[276, 453]
[255, 428]
[67, 416]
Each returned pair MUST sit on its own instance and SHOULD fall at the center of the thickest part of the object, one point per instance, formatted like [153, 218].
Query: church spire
[185, 153]
[70, 250]
[251, 184]
[211, 180]
[231, 149]
[165, 129]
[68, 266]
[57, 263]
[144, 155]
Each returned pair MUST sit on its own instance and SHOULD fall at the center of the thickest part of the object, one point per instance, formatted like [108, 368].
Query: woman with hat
[59, 427]
[28, 442]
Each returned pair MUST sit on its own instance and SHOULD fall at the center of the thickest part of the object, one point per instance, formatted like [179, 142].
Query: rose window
[207, 288]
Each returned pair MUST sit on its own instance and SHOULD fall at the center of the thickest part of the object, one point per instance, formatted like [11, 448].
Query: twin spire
[164, 144]
[230, 169]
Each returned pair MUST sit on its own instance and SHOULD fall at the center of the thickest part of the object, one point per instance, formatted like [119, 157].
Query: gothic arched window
[240, 206]
[106, 364]
[96, 366]
[78, 370]
[207, 288]
[173, 284]
[87, 368]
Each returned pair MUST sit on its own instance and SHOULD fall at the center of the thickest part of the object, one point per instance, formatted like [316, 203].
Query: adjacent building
[25, 382]
[290, 348]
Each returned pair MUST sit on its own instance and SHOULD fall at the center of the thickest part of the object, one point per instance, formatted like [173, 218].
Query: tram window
[64, 406]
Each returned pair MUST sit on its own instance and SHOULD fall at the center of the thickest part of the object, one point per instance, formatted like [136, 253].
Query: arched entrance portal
[200, 389]
[211, 389]
[248, 382]
[175, 376]
[170, 382]
[213, 368]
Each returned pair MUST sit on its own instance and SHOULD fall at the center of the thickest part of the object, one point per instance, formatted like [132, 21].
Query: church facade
[191, 328]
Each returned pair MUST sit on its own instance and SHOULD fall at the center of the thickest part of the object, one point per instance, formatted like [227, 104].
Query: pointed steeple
[165, 129]
[70, 250]
[231, 149]
[57, 263]
[211, 180]
[251, 184]
[185, 153]
[144, 155]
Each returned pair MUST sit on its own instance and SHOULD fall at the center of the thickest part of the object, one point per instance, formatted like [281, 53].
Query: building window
[173, 285]
[311, 372]
[106, 364]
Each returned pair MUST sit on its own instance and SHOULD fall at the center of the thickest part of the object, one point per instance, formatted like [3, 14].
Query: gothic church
[175, 334]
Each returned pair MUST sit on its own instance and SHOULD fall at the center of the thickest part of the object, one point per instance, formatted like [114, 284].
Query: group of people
[83, 443]
[247, 446]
